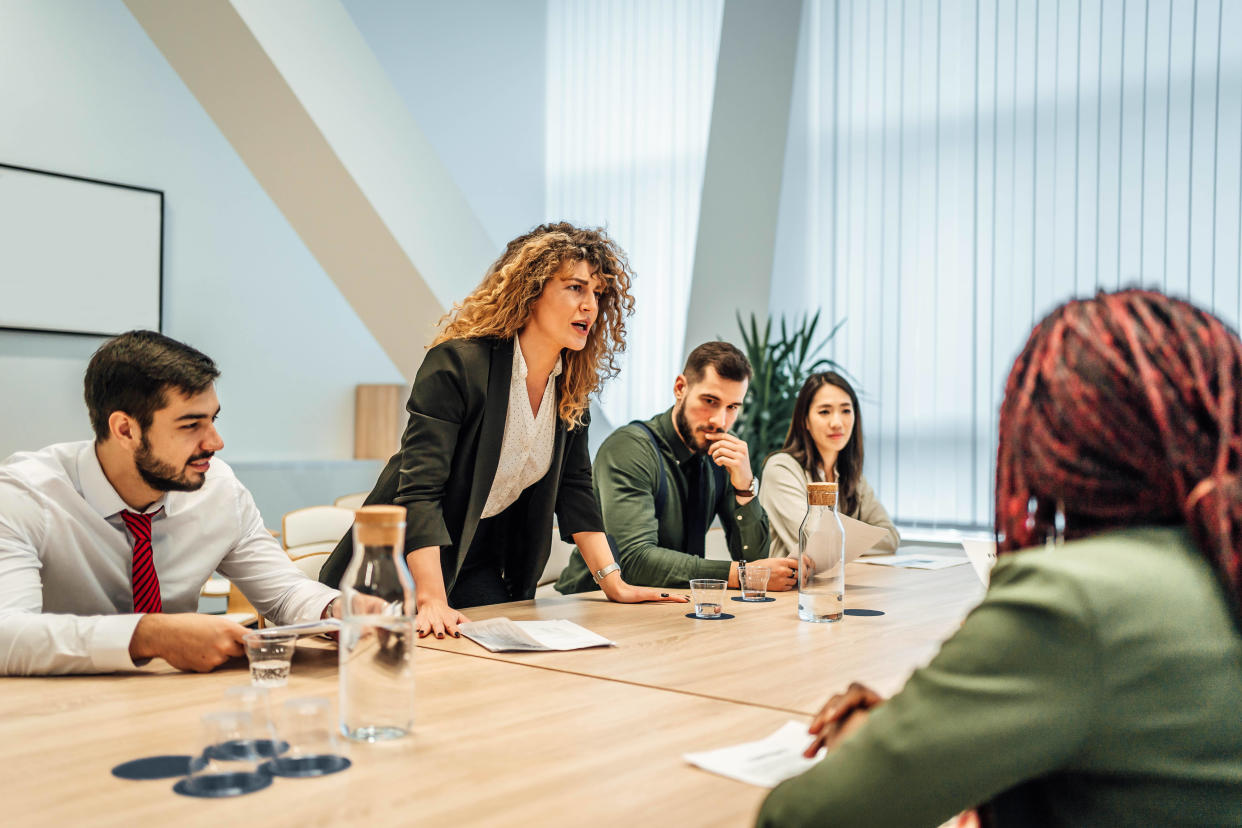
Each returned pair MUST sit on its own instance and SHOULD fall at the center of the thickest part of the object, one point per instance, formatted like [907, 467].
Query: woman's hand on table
[436, 617]
[623, 593]
[842, 715]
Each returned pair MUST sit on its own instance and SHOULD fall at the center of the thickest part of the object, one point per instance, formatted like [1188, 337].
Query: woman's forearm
[428, 578]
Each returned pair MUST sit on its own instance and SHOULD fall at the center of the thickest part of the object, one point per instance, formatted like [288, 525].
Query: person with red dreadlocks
[1099, 682]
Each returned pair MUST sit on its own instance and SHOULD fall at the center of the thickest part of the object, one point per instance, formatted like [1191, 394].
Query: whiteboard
[77, 255]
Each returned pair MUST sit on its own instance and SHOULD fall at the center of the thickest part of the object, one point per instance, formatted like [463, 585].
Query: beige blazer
[782, 494]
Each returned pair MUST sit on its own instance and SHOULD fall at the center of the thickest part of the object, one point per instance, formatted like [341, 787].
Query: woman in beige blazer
[825, 442]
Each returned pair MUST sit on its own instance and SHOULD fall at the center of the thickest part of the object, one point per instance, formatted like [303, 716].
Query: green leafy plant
[780, 364]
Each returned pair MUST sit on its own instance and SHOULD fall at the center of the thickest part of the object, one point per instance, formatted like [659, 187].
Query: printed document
[860, 537]
[765, 763]
[502, 635]
[982, 556]
[919, 561]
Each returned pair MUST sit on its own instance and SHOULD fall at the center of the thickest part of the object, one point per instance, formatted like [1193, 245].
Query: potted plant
[780, 364]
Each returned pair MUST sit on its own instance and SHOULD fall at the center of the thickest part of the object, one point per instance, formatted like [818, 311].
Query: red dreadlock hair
[1125, 409]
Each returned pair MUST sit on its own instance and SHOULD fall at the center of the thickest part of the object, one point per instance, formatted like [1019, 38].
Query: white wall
[84, 91]
[471, 72]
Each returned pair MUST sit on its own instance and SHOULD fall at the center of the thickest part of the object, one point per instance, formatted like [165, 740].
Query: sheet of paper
[982, 556]
[325, 625]
[503, 635]
[765, 763]
[919, 561]
[860, 537]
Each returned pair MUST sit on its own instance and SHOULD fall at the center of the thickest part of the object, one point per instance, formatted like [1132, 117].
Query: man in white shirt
[105, 544]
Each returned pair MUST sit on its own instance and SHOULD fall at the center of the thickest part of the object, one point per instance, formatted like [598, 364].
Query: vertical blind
[973, 163]
[629, 93]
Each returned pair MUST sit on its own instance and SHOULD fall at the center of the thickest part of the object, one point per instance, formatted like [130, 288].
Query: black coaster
[304, 766]
[724, 616]
[864, 612]
[246, 748]
[753, 600]
[218, 785]
[153, 767]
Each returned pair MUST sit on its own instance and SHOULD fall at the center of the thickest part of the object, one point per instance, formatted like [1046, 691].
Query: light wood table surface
[592, 737]
[764, 655]
[494, 744]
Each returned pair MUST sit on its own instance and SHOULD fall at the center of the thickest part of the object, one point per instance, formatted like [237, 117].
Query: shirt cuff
[715, 569]
[109, 642]
[312, 610]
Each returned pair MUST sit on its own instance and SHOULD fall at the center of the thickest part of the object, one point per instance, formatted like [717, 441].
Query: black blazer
[443, 472]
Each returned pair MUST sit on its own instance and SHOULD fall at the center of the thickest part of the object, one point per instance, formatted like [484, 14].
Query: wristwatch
[752, 489]
[606, 571]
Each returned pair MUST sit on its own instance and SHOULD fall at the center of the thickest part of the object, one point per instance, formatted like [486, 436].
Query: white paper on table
[860, 537]
[915, 561]
[982, 556]
[501, 635]
[765, 763]
[316, 627]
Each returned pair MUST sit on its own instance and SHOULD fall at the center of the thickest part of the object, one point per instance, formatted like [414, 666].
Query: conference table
[559, 738]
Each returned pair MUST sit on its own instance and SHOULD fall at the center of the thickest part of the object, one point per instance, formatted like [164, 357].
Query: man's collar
[663, 426]
[99, 494]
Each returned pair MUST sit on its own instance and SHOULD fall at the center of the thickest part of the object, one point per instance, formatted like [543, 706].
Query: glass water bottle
[821, 548]
[377, 636]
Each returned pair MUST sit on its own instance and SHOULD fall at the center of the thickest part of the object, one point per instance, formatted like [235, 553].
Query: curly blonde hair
[500, 305]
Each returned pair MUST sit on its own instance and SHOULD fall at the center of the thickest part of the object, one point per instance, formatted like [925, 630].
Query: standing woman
[1099, 681]
[497, 436]
[824, 443]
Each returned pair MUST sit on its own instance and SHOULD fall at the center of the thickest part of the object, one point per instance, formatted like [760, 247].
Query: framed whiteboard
[79, 256]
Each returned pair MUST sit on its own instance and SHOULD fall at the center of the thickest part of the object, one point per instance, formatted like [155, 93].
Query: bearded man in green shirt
[660, 482]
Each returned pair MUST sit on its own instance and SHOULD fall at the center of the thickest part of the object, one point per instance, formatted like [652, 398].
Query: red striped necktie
[146, 582]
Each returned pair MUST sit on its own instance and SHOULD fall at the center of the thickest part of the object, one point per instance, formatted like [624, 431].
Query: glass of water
[755, 583]
[708, 596]
[270, 654]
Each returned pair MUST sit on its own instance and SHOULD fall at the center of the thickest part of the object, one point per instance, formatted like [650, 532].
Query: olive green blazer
[1099, 683]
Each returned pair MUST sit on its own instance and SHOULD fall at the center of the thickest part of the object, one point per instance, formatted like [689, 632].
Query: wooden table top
[764, 655]
[585, 737]
[494, 743]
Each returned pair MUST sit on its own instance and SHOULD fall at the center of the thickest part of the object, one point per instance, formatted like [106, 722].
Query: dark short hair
[133, 372]
[730, 363]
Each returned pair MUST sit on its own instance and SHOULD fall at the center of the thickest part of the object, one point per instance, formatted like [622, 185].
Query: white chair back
[350, 501]
[314, 524]
[311, 562]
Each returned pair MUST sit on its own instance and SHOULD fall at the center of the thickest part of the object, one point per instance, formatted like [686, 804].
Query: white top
[66, 601]
[526, 448]
[782, 494]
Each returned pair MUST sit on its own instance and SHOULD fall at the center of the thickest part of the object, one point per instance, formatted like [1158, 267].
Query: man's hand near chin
[187, 640]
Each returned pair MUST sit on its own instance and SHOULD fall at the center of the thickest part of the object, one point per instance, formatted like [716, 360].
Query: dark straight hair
[133, 372]
[801, 446]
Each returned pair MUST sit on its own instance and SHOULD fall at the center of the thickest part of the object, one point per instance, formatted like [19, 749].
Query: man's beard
[163, 477]
[692, 440]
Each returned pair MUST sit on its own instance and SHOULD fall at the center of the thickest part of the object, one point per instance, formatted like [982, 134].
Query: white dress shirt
[526, 448]
[66, 600]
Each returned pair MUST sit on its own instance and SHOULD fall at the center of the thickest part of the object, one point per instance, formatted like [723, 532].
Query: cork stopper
[380, 525]
[821, 494]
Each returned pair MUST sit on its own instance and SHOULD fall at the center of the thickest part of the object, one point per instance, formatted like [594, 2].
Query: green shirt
[626, 476]
[1099, 683]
